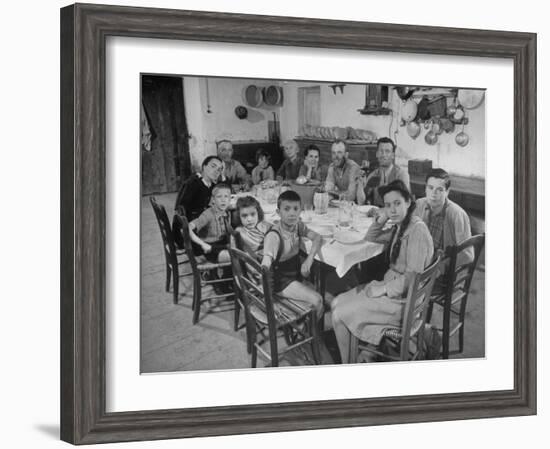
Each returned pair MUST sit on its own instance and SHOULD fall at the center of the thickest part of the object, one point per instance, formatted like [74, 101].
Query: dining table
[343, 228]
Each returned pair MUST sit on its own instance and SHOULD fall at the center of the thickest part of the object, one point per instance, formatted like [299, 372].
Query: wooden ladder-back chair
[173, 256]
[235, 242]
[453, 295]
[406, 342]
[267, 314]
[198, 268]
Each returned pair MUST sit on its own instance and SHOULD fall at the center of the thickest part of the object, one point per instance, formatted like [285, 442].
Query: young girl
[251, 225]
[281, 253]
[367, 310]
[263, 171]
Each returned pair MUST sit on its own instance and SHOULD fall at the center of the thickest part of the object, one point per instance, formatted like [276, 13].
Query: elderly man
[290, 168]
[342, 172]
[367, 187]
[233, 171]
[448, 223]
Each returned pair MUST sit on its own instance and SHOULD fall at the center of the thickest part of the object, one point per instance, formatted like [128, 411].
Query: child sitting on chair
[282, 253]
[263, 171]
[210, 231]
[252, 227]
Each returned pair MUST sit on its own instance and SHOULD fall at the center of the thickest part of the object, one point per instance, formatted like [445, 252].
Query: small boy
[210, 231]
[263, 171]
[281, 253]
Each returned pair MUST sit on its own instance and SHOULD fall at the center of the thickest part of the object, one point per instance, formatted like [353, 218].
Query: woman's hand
[306, 268]
[381, 217]
[362, 180]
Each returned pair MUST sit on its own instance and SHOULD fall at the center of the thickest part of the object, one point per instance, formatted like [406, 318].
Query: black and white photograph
[275, 224]
[298, 223]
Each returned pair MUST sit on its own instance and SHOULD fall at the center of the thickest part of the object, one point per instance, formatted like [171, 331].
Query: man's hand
[206, 248]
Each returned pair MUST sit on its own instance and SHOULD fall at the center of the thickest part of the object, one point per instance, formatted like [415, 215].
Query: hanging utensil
[462, 138]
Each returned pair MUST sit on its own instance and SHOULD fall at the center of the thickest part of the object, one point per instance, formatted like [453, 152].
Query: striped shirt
[254, 238]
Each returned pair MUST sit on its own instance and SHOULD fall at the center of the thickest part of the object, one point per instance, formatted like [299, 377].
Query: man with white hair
[290, 168]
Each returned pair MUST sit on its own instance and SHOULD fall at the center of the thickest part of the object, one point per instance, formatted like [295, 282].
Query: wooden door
[165, 162]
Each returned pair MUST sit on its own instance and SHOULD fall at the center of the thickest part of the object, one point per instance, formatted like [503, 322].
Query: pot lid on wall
[470, 98]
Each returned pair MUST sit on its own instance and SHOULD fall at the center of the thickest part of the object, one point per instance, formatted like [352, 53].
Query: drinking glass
[344, 214]
[308, 212]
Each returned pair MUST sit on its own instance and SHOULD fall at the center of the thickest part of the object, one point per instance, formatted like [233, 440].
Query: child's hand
[206, 248]
[374, 291]
[306, 268]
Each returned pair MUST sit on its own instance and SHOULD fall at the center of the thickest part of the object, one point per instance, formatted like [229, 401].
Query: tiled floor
[170, 342]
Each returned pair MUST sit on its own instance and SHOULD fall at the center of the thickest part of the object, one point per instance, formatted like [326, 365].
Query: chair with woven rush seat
[406, 342]
[272, 314]
[452, 295]
[173, 256]
[199, 269]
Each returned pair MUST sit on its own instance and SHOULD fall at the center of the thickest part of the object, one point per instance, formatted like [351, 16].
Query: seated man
[195, 193]
[290, 168]
[448, 223]
[342, 172]
[233, 171]
[367, 187]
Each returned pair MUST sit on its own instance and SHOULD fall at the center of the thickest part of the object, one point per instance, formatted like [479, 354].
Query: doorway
[165, 159]
[309, 106]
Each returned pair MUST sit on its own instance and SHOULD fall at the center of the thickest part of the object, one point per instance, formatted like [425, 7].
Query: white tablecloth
[341, 256]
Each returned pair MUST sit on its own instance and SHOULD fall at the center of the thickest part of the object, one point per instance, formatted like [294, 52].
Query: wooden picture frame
[84, 29]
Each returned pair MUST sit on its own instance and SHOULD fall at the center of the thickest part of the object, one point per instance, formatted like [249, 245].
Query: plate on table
[335, 203]
[348, 237]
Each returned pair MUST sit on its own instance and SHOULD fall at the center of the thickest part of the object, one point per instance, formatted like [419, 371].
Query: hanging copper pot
[447, 125]
[462, 139]
[413, 129]
[430, 138]
[437, 128]
[459, 114]
[409, 110]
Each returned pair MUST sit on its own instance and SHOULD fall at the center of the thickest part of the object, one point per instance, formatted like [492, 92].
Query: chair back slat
[168, 243]
[255, 283]
[181, 223]
[457, 281]
[459, 276]
[250, 292]
[416, 308]
[463, 271]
